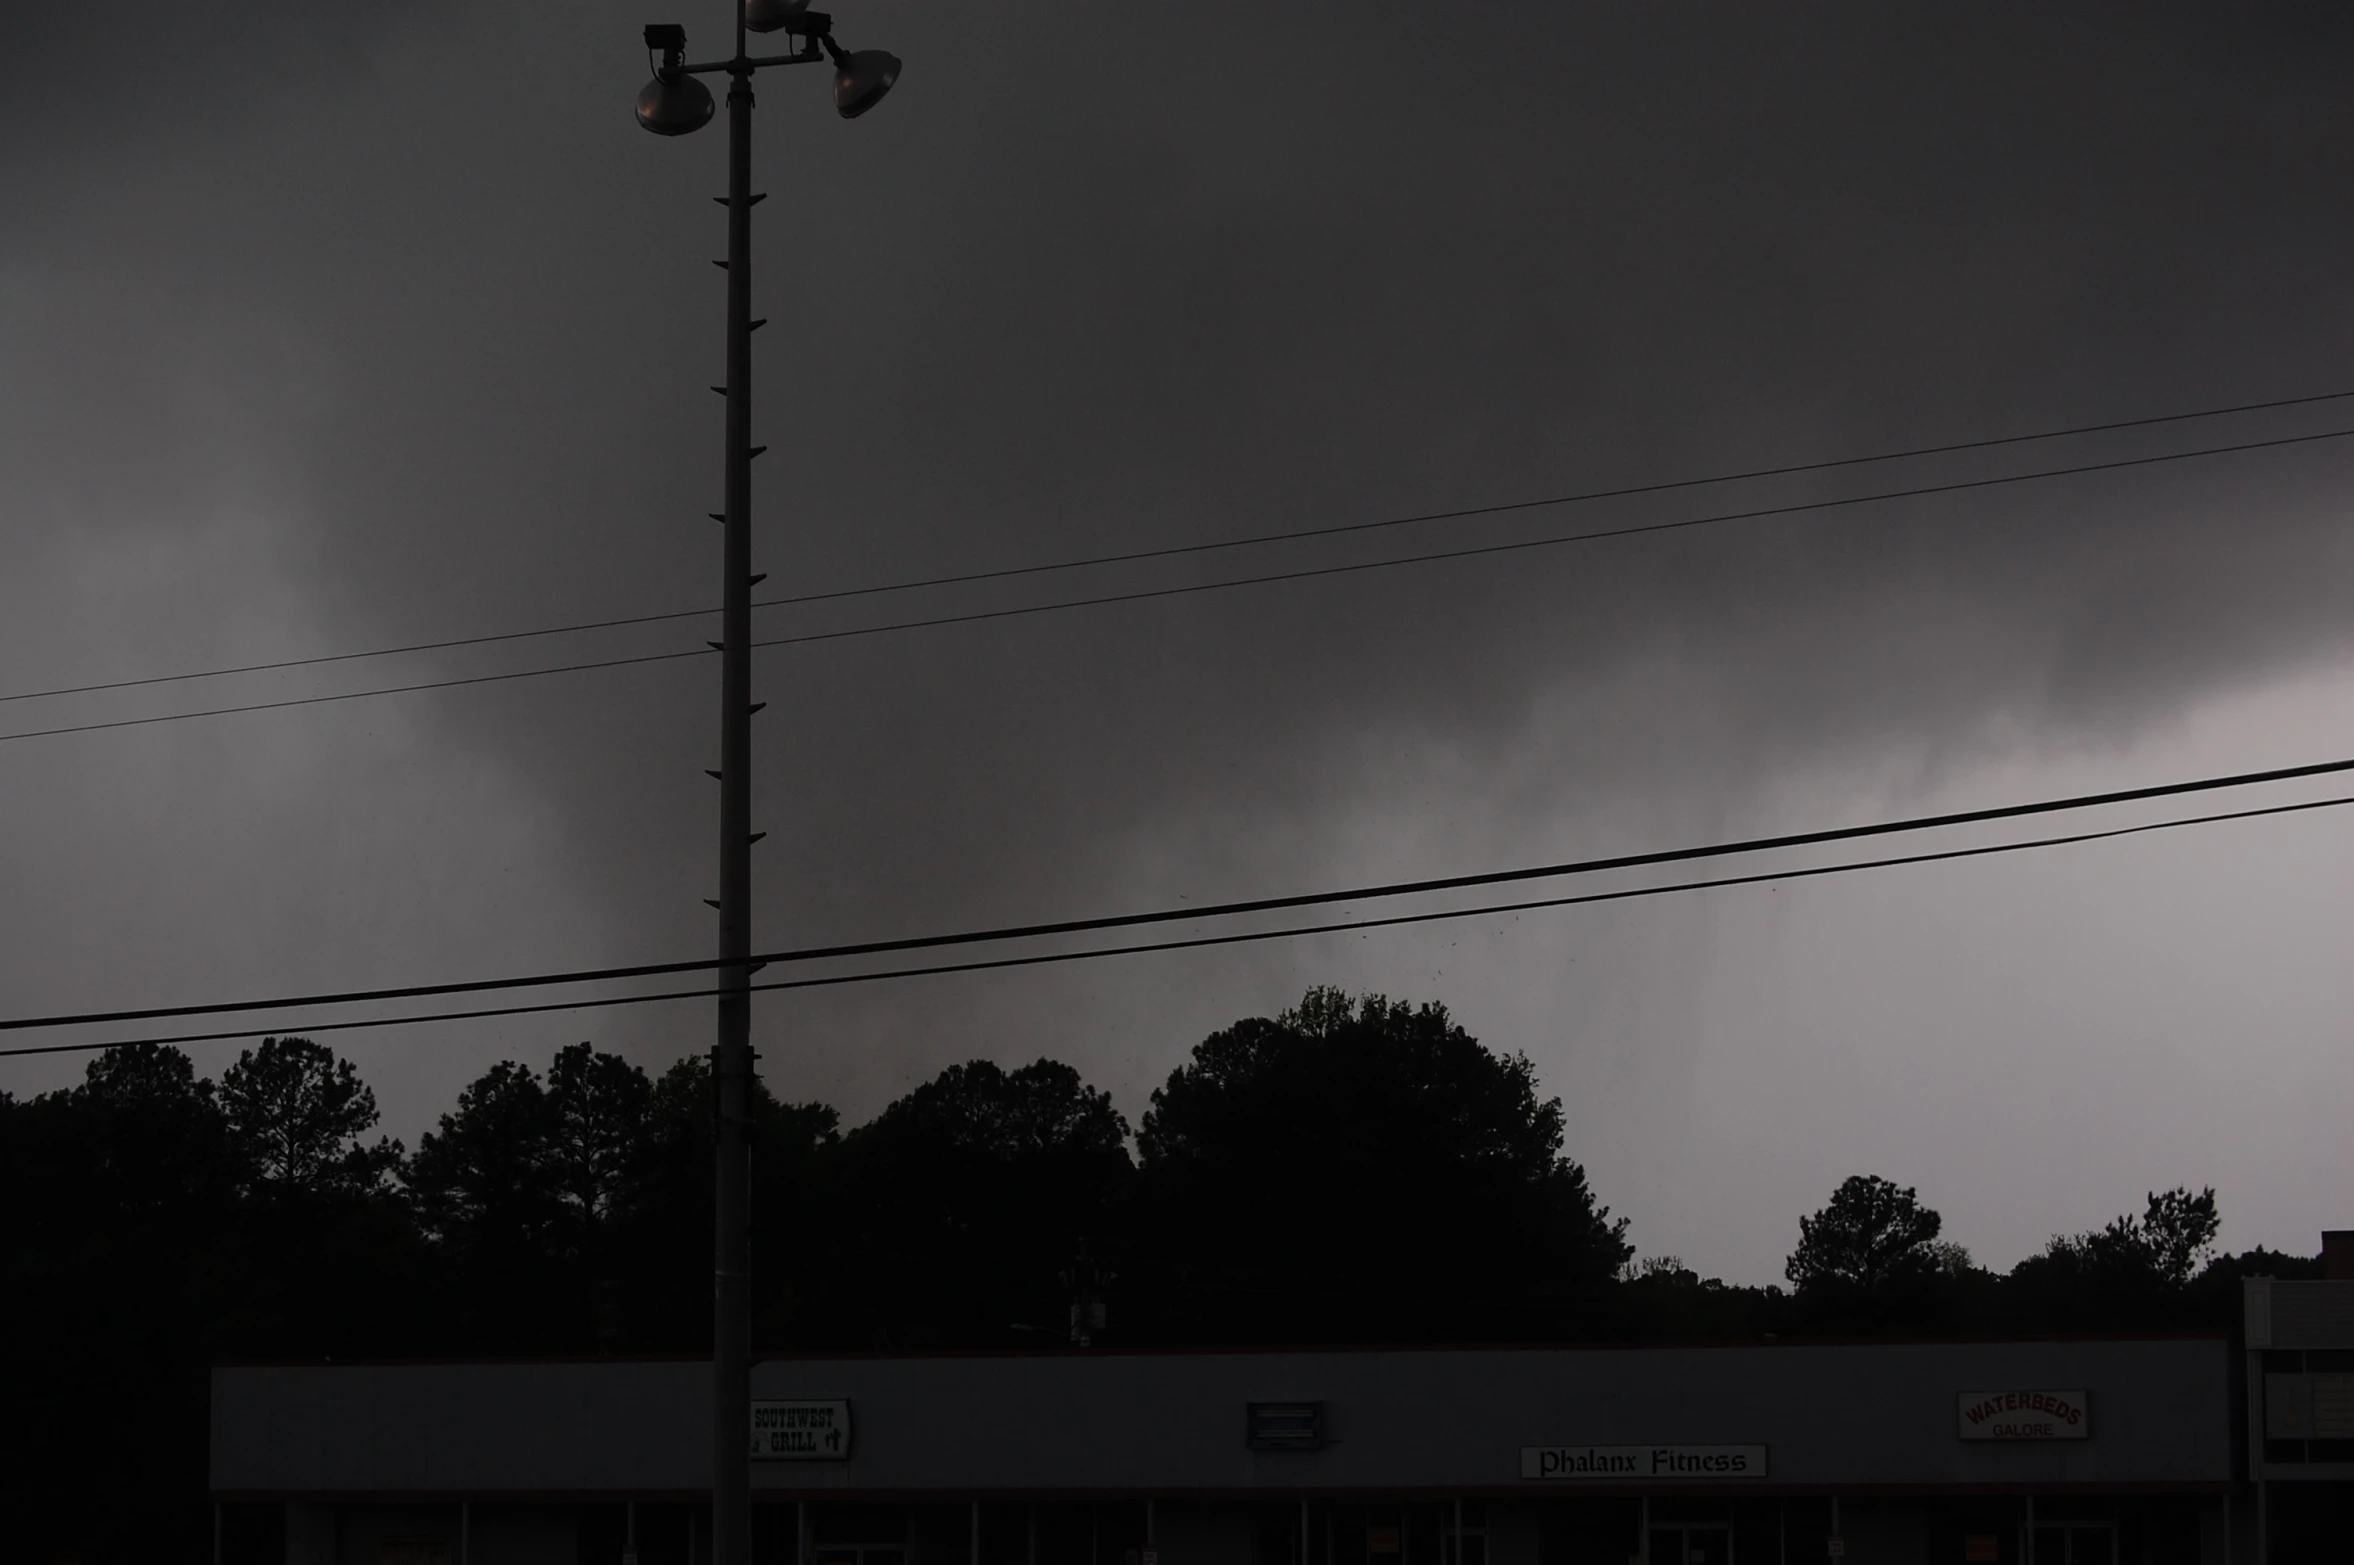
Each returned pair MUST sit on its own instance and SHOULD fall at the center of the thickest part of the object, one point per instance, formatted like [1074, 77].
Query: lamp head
[861, 79]
[676, 106]
[673, 103]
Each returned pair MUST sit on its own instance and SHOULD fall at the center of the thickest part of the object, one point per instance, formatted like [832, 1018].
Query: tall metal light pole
[672, 104]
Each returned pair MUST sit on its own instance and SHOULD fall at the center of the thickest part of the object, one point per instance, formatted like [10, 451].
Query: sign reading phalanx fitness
[1642, 1463]
[801, 1431]
[2026, 1415]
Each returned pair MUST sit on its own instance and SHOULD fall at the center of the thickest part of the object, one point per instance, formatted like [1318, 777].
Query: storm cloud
[319, 335]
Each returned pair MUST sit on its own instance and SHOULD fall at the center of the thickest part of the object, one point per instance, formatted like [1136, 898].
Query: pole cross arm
[811, 56]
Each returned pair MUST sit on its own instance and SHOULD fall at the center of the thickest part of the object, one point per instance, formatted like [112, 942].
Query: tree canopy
[296, 1112]
[1873, 1236]
[1344, 1169]
[2139, 1269]
[995, 1178]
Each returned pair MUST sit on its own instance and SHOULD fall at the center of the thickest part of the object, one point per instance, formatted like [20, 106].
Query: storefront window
[2076, 1543]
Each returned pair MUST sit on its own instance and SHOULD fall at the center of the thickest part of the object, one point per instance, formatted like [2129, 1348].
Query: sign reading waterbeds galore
[2026, 1415]
[1642, 1463]
[801, 1431]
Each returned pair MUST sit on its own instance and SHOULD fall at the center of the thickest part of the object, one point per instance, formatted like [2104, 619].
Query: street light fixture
[860, 79]
[673, 104]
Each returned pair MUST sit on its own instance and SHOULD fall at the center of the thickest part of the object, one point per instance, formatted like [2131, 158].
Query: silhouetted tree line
[1872, 1262]
[1351, 1170]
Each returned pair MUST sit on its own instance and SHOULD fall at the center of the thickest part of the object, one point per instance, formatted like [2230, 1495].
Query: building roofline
[1284, 1494]
[882, 1355]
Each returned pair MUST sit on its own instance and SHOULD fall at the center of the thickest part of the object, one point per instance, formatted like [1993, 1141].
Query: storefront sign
[801, 1431]
[1284, 1426]
[2026, 1415]
[1642, 1463]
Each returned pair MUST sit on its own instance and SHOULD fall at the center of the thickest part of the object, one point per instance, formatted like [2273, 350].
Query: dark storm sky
[321, 332]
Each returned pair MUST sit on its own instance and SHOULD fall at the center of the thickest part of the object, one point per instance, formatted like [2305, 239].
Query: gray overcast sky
[323, 329]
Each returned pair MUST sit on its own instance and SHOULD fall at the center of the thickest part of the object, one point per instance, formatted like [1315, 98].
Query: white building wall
[1876, 1416]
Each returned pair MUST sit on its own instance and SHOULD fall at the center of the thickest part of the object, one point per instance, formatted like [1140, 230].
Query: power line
[1143, 595]
[1248, 937]
[353, 657]
[1630, 491]
[1817, 838]
[356, 695]
[1518, 545]
[1170, 551]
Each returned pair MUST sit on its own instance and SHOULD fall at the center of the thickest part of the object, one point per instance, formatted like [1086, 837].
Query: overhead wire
[1627, 491]
[285, 702]
[1654, 857]
[1175, 549]
[1147, 594]
[1197, 942]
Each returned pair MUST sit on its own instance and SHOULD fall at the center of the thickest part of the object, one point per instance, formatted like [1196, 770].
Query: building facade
[2066, 1452]
[2299, 1338]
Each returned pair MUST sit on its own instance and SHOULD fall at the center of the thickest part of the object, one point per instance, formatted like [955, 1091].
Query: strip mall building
[2065, 1452]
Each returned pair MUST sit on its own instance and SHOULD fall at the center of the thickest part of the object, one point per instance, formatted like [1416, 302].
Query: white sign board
[2026, 1415]
[801, 1431]
[1641, 1463]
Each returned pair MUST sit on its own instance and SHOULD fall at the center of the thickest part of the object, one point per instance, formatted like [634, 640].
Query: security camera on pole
[673, 104]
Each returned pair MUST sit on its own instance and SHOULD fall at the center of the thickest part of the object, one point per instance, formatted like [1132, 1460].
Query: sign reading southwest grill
[801, 1431]
[2026, 1415]
[1641, 1463]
